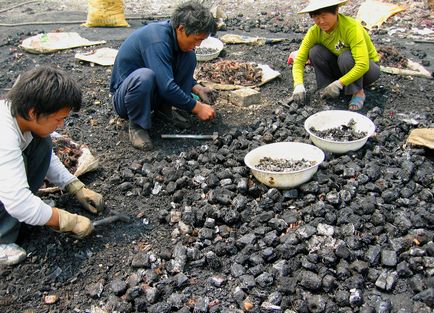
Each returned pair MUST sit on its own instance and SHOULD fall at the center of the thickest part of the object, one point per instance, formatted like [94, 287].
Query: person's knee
[143, 80]
[315, 51]
[40, 147]
[346, 61]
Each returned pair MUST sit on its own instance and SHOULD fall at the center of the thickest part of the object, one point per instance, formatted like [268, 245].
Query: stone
[268, 307]
[310, 280]
[245, 97]
[264, 280]
[389, 258]
[237, 270]
[387, 280]
[118, 287]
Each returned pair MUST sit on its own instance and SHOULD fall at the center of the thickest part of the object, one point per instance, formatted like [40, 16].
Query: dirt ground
[88, 275]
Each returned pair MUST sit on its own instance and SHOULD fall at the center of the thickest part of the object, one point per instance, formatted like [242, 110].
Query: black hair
[46, 90]
[195, 18]
[332, 9]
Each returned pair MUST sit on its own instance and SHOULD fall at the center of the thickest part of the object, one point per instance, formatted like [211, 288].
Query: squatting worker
[36, 106]
[341, 52]
[153, 71]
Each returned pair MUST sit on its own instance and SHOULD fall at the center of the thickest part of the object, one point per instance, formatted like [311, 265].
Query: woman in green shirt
[341, 52]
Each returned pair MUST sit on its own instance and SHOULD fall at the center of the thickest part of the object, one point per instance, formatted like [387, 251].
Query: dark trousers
[138, 94]
[329, 67]
[37, 157]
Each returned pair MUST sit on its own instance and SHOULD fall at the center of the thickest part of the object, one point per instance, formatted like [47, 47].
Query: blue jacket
[153, 46]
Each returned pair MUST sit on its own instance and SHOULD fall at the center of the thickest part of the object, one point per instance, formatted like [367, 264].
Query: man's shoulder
[160, 26]
[152, 33]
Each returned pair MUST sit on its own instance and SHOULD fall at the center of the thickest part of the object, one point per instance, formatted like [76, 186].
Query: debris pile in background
[67, 151]
[390, 56]
[231, 72]
[77, 158]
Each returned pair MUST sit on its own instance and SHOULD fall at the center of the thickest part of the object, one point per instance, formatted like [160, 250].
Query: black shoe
[139, 137]
[174, 117]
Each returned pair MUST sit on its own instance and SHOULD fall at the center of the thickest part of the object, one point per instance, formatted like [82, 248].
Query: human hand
[203, 111]
[89, 199]
[206, 94]
[333, 90]
[299, 94]
[73, 223]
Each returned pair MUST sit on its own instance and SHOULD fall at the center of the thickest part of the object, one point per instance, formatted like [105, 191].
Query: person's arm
[203, 111]
[308, 42]
[59, 175]
[159, 57]
[359, 51]
[15, 193]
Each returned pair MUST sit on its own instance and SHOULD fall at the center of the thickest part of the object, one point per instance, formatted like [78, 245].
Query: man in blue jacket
[153, 71]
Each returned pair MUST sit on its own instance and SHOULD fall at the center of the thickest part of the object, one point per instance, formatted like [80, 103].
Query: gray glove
[299, 94]
[89, 199]
[79, 225]
[333, 90]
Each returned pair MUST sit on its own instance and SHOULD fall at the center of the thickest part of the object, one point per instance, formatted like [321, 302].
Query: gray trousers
[37, 158]
[329, 67]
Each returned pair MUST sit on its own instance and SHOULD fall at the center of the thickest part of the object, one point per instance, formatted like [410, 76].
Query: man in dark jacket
[154, 70]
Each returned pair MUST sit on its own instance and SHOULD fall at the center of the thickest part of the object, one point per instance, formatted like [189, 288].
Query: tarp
[103, 56]
[421, 137]
[373, 13]
[268, 74]
[52, 42]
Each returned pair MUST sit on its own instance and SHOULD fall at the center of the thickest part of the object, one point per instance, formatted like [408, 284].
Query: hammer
[111, 219]
[286, 102]
[191, 136]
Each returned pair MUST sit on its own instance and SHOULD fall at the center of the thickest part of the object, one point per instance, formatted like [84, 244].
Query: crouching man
[153, 72]
[35, 107]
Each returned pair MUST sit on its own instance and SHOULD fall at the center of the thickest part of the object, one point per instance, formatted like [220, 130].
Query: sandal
[356, 103]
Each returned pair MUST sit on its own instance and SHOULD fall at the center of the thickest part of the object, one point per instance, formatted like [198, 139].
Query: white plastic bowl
[212, 43]
[335, 118]
[289, 151]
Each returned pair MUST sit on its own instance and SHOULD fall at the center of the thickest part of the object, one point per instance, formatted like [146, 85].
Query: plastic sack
[103, 56]
[421, 137]
[77, 158]
[373, 13]
[292, 57]
[52, 42]
[105, 13]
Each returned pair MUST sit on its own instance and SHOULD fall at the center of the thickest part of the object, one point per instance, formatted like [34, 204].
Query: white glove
[79, 225]
[333, 90]
[299, 94]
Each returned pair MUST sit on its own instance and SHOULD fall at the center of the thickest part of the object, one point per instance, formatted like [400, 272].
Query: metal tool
[287, 102]
[190, 136]
[111, 219]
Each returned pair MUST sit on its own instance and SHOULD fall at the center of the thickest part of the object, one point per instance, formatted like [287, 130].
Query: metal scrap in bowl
[295, 153]
[209, 49]
[339, 131]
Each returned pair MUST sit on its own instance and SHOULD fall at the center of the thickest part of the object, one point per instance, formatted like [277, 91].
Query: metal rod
[112, 219]
[288, 102]
[191, 136]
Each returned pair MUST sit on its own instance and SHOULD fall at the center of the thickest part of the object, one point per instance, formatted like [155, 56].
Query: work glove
[333, 90]
[89, 199]
[208, 95]
[79, 225]
[299, 94]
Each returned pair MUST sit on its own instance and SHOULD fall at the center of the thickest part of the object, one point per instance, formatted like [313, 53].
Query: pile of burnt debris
[347, 241]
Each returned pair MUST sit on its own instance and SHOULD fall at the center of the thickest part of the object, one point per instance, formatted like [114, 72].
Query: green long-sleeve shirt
[349, 34]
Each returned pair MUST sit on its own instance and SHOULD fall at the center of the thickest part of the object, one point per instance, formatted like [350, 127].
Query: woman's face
[326, 21]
